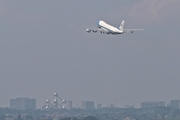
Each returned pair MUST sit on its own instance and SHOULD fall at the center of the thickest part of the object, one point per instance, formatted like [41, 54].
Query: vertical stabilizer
[121, 27]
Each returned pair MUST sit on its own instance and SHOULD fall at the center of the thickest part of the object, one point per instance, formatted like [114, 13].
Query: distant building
[87, 105]
[175, 104]
[129, 106]
[151, 104]
[111, 105]
[69, 105]
[23, 103]
[168, 105]
[99, 106]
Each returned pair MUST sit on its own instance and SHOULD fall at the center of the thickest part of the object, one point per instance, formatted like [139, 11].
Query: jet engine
[94, 31]
[88, 30]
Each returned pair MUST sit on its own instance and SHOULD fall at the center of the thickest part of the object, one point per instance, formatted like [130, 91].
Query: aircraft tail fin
[121, 27]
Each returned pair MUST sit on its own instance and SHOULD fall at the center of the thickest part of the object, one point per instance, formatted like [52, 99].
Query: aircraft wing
[131, 30]
[92, 30]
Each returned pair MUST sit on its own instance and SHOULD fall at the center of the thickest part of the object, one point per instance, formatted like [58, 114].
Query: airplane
[105, 28]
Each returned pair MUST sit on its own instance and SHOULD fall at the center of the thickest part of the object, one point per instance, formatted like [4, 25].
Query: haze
[43, 49]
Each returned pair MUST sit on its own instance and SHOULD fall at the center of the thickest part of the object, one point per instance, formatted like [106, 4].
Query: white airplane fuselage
[103, 27]
[108, 29]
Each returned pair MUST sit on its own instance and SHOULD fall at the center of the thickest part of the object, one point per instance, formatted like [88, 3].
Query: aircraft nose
[99, 23]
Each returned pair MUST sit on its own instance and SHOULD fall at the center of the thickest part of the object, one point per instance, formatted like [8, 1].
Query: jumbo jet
[108, 29]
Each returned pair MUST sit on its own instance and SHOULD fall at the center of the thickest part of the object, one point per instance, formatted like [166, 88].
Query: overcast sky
[43, 49]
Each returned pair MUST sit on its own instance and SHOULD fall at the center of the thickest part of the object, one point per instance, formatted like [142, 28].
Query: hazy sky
[43, 49]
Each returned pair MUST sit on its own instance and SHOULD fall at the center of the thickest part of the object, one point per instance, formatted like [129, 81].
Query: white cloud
[149, 12]
[155, 10]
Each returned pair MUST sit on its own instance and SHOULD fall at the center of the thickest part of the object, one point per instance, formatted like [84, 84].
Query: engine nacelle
[94, 31]
[102, 31]
[88, 30]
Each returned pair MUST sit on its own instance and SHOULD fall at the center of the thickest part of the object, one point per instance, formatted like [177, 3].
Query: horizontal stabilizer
[131, 30]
